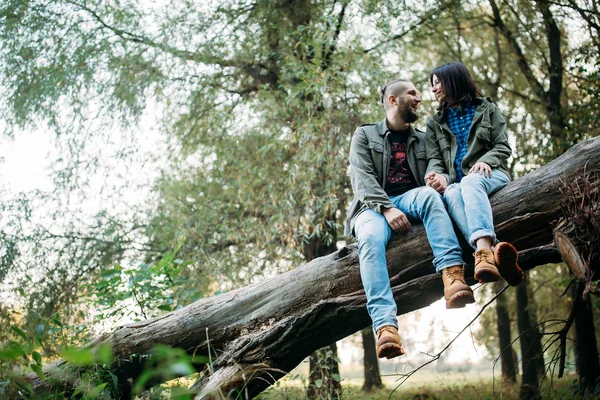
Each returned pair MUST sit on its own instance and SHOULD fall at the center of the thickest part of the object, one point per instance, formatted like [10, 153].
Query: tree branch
[521, 59]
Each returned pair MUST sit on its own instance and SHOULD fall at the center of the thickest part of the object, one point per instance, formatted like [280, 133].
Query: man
[387, 169]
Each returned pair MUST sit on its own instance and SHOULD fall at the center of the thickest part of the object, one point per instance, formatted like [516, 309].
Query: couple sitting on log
[401, 176]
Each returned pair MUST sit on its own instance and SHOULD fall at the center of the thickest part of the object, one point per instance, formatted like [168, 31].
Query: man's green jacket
[370, 154]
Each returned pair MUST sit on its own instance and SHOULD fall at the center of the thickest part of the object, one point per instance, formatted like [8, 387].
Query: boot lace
[484, 255]
[455, 274]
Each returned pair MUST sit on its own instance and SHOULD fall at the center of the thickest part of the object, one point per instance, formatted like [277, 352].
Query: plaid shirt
[460, 120]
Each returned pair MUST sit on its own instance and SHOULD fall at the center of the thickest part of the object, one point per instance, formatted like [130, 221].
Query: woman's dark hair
[457, 84]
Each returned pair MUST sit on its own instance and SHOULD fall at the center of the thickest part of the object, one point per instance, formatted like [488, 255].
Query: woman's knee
[473, 180]
[452, 193]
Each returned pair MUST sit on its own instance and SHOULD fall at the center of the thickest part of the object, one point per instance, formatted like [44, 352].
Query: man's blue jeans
[373, 232]
[469, 205]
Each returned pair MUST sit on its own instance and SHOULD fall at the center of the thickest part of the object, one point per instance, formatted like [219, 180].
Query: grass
[437, 389]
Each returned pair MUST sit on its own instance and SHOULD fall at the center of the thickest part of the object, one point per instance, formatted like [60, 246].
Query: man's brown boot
[388, 342]
[506, 257]
[485, 266]
[456, 291]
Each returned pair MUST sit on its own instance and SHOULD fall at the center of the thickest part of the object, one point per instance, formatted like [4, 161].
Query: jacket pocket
[484, 131]
[443, 143]
[378, 147]
[377, 154]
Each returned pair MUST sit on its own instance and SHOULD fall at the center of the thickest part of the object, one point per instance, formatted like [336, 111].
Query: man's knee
[371, 233]
[370, 237]
[428, 195]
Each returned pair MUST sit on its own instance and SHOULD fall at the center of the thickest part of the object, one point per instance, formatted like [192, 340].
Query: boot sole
[485, 275]
[390, 350]
[506, 257]
[460, 299]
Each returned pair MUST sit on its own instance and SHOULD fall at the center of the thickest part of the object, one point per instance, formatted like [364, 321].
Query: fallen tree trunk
[261, 331]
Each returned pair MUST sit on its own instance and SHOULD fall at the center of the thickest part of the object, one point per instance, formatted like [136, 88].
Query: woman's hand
[436, 181]
[481, 168]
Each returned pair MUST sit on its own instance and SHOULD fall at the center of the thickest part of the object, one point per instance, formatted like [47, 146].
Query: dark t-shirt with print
[400, 178]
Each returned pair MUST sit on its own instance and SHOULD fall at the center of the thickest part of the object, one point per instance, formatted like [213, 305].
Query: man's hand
[397, 220]
[482, 168]
[436, 181]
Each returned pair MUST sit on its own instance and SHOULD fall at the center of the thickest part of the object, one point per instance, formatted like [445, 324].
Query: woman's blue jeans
[469, 204]
[373, 232]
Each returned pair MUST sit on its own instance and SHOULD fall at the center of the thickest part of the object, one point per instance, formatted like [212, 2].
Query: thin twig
[404, 377]
[210, 363]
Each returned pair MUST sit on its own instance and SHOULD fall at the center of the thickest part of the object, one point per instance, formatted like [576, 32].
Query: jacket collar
[481, 102]
[383, 130]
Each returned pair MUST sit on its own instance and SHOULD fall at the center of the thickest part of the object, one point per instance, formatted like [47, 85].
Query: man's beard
[411, 116]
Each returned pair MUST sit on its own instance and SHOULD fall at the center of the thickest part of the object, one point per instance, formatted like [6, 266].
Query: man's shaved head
[392, 88]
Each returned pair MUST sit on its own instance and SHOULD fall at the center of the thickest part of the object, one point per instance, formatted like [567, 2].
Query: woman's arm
[435, 160]
[501, 149]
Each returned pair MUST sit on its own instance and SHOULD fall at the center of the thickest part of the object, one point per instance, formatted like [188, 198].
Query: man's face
[408, 102]
[437, 89]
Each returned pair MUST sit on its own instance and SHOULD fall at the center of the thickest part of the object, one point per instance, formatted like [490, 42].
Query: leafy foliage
[257, 101]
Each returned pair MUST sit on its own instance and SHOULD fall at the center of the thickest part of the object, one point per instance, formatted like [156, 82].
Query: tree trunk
[324, 372]
[586, 346]
[263, 330]
[370, 364]
[535, 348]
[527, 333]
[508, 362]
[324, 379]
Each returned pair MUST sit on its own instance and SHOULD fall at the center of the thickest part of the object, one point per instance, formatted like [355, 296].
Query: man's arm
[363, 176]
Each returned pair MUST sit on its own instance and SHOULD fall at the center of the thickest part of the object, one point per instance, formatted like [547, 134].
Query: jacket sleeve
[435, 160]
[363, 175]
[501, 149]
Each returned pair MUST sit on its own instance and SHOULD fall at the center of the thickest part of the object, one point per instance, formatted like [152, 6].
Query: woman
[467, 149]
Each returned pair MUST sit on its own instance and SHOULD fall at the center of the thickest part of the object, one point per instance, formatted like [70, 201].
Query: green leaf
[19, 332]
[319, 383]
[80, 357]
[164, 307]
[104, 354]
[38, 371]
[336, 377]
[12, 351]
[111, 273]
[37, 357]
[96, 391]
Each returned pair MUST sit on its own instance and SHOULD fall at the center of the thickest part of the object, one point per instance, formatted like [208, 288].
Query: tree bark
[527, 333]
[370, 365]
[324, 372]
[535, 346]
[324, 378]
[261, 331]
[508, 362]
[588, 368]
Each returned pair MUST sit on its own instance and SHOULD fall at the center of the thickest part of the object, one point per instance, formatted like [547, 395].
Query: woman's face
[437, 89]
